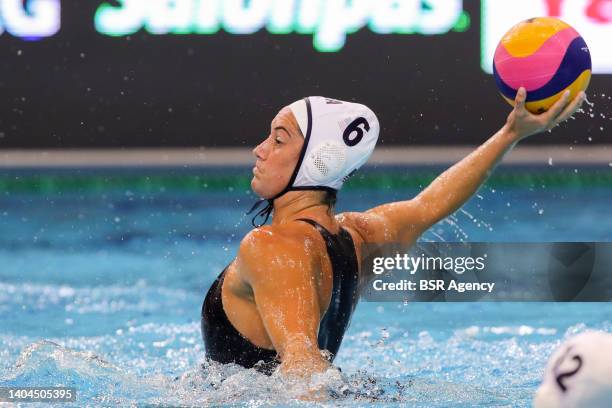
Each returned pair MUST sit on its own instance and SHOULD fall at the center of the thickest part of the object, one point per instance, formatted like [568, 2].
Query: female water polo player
[287, 299]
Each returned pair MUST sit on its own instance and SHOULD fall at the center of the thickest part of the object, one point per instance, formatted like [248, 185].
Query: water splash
[479, 222]
[456, 225]
[101, 383]
[46, 362]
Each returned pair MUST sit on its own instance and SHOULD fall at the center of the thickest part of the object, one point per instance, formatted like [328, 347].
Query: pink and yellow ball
[544, 55]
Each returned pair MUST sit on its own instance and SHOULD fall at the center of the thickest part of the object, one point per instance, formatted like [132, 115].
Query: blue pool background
[102, 290]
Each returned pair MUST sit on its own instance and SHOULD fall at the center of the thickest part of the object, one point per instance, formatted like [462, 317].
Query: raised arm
[406, 220]
[280, 271]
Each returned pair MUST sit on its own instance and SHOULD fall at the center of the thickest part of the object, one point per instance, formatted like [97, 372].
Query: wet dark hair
[329, 199]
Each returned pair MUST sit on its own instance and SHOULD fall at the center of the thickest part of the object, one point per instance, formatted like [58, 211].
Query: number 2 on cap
[560, 377]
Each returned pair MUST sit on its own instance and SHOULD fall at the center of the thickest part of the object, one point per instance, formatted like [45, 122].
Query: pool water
[101, 289]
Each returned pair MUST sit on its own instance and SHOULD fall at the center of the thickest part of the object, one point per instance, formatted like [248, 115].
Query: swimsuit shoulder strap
[343, 257]
[324, 231]
[339, 245]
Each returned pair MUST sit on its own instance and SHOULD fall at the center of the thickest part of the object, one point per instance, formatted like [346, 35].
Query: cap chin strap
[267, 210]
[264, 212]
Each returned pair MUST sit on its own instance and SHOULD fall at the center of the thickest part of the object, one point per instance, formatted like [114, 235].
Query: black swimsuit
[226, 345]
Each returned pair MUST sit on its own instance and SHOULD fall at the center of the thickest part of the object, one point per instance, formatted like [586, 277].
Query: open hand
[523, 123]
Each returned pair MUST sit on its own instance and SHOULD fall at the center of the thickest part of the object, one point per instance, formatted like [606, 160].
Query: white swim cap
[579, 374]
[339, 138]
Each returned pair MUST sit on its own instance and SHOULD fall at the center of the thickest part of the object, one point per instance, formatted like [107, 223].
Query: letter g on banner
[33, 19]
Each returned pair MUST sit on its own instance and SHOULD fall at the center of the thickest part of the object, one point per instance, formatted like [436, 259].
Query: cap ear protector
[325, 162]
[339, 138]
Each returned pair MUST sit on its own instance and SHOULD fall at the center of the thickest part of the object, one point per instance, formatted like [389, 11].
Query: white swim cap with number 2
[579, 374]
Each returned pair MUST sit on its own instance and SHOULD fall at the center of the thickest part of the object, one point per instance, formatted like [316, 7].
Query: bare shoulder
[371, 227]
[290, 236]
[401, 221]
[267, 249]
[257, 240]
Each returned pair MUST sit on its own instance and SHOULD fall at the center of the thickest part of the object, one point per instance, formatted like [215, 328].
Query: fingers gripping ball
[544, 55]
[579, 374]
